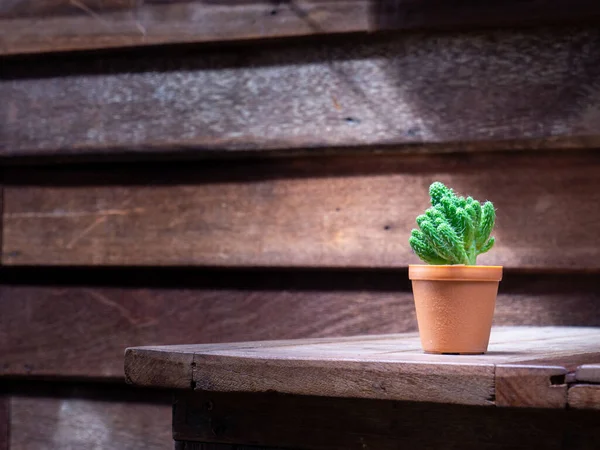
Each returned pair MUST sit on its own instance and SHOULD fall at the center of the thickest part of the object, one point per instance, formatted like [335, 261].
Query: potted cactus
[454, 297]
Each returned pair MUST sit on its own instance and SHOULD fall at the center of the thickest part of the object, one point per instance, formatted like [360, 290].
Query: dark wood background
[189, 172]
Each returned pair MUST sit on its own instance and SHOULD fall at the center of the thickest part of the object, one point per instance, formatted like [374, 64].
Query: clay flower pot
[455, 306]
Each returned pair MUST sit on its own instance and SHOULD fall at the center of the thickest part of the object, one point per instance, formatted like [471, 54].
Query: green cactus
[454, 230]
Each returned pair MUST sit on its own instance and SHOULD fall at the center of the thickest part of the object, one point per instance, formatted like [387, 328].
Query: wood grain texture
[331, 212]
[391, 367]
[312, 423]
[530, 386]
[584, 396]
[471, 385]
[67, 330]
[29, 26]
[76, 418]
[83, 332]
[409, 89]
[589, 373]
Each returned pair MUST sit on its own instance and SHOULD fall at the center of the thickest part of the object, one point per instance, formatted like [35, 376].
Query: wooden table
[537, 387]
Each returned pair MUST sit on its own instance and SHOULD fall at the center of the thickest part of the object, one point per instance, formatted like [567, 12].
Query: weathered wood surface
[589, 373]
[535, 86]
[30, 26]
[391, 367]
[80, 417]
[584, 396]
[336, 211]
[82, 331]
[310, 423]
[530, 386]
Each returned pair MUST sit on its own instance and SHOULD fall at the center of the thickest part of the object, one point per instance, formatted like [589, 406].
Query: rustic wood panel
[312, 423]
[81, 331]
[28, 26]
[531, 387]
[31, 26]
[79, 417]
[413, 89]
[584, 396]
[589, 373]
[391, 367]
[335, 211]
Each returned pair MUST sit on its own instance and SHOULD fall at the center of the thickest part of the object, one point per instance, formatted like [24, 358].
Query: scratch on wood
[88, 10]
[125, 313]
[85, 231]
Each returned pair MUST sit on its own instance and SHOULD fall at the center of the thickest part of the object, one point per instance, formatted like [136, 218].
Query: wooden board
[83, 332]
[310, 423]
[537, 87]
[589, 373]
[80, 417]
[530, 386]
[29, 26]
[333, 212]
[66, 330]
[584, 396]
[391, 367]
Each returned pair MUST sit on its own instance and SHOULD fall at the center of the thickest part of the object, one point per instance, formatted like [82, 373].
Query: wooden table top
[525, 366]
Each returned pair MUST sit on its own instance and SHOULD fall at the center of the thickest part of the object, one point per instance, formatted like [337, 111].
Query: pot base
[453, 353]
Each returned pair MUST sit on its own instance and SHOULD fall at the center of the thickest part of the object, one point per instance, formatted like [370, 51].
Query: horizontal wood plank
[29, 26]
[82, 331]
[520, 386]
[589, 373]
[80, 417]
[534, 86]
[584, 396]
[311, 423]
[391, 367]
[331, 212]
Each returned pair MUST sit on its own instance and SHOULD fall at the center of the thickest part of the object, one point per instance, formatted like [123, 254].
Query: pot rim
[426, 272]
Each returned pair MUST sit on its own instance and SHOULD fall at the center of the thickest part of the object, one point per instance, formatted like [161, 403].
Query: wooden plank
[539, 87]
[83, 331]
[470, 385]
[77, 418]
[65, 330]
[393, 367]
[312, 423]
[27, 26]
[333, 212]
[531, 386]
[589, 373]
[4, 422]
[584, 396]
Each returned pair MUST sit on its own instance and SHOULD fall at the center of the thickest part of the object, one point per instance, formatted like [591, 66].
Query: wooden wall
[188, 172]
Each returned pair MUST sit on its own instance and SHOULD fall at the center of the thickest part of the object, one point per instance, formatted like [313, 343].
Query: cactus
[454, 230]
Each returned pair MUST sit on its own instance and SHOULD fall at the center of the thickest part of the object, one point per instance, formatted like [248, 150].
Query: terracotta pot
[455, 306]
